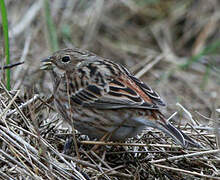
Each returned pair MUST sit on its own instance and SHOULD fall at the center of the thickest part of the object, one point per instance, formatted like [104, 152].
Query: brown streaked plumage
[100, 96]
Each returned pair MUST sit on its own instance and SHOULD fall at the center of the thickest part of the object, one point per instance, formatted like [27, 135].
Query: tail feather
[170, 130]
[165, 126]
[190, 142]
[180, 137]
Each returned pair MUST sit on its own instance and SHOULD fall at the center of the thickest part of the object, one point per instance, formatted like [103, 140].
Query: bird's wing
[154, 96]
[106, 85]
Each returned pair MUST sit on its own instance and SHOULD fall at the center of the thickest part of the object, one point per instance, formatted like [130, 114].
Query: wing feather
[112, 88]
[148, 91]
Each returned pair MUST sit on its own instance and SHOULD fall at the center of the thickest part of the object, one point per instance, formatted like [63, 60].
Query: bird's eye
[65, 59]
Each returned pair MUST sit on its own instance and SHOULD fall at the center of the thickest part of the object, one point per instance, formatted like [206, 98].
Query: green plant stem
[50, 27]
[6, 41]
[212, 48]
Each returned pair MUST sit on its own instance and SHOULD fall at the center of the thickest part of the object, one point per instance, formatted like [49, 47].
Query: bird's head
[64, 60]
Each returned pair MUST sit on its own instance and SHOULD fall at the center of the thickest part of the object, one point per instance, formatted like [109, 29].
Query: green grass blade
[53, 40]
[6, 40]
[212, 48]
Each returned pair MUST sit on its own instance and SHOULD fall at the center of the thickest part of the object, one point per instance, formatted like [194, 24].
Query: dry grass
[172, 45]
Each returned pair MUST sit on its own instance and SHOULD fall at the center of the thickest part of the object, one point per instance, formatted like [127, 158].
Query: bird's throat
[59, 72]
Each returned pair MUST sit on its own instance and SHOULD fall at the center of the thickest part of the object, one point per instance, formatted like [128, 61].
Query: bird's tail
[165, 126]
[179, 136]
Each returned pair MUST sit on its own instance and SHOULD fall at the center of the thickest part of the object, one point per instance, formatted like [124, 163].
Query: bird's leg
[108, 135]
[118, 127]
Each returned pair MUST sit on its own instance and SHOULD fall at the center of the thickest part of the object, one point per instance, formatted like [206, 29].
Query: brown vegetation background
[172, 45]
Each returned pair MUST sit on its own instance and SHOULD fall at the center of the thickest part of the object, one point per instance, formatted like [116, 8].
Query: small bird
[100, 97]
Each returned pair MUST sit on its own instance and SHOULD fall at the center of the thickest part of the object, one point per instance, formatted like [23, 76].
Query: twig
[127, 144]
[188, 113]
[11, 65]
[174, 114]
[28, 18]
[20, 69]
[36, 96]
[141, 63]
[204, 116]
[98, 166]
[149, 66]
[71, 117]
[11, 136]
[186, 172]
[187, 155]
[9, 105]
[103, 162]
[62, 158]
[28, 124]
[204, 128]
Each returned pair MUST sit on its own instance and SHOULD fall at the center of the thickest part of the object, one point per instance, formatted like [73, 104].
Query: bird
[101, 98]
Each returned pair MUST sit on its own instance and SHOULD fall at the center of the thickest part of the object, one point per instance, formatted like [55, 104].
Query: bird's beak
[46, 64]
